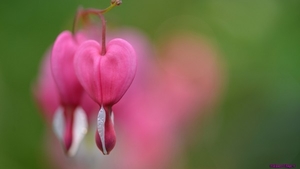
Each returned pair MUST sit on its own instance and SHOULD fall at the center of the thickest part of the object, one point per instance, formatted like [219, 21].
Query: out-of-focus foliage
[256, 121]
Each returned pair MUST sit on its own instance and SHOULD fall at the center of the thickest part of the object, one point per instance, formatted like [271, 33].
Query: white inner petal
[80, 126]
[101, 127]
[112, 117]
[58, 123]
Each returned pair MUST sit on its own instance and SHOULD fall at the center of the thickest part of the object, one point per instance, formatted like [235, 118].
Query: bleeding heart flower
[70, 121]
[47, 97]
[105, 77]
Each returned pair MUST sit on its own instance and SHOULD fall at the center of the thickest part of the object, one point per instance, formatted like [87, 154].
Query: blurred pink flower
[45, 91]
[176, 93]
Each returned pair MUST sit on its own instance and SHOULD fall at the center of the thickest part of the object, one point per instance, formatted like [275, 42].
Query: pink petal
[105, 78]
[63, 53]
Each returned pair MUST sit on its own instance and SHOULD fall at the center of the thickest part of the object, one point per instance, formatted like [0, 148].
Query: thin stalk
[103, 45]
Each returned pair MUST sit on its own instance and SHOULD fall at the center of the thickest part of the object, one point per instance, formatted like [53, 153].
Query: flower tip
[67, 144]
[105, 135]
[70, 130]
[110, 143]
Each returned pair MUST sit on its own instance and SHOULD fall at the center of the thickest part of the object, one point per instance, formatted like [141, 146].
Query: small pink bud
[105, 78]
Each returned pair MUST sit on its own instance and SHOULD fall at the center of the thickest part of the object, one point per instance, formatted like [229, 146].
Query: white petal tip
[79, 130]
[101, 127]
[58, 123]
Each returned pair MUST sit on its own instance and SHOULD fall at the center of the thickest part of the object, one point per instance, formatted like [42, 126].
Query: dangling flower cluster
[83, 66]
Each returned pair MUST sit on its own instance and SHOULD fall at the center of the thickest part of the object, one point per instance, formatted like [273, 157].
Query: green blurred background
[258, 120]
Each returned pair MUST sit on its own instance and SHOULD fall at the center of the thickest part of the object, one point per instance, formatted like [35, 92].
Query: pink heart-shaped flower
[105, 78]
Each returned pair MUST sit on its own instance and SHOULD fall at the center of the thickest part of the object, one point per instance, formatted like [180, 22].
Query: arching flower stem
[85, 12]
